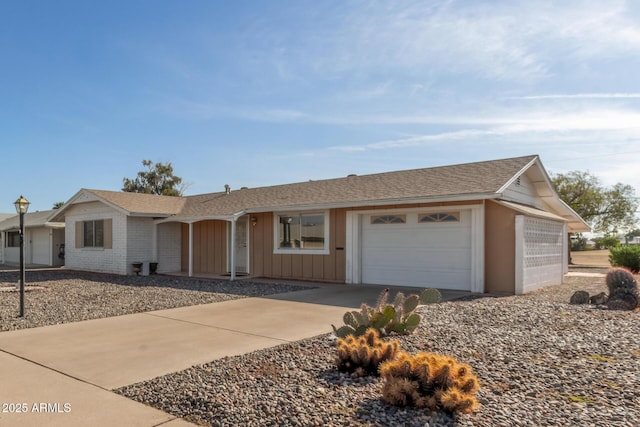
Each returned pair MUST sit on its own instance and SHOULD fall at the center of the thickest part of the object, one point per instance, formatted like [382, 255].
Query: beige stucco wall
[500, 240]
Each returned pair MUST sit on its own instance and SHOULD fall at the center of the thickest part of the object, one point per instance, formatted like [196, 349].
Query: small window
[13, 239]
[94, 234]
[302, 232]
[440, 217]
[388, 219]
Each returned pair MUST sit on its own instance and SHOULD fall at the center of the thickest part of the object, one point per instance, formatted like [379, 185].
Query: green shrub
[606, 242]
[627, 256]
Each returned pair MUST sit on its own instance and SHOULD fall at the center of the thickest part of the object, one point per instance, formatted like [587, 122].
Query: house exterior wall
[499, 255]
[265, 263]
[12, 255]
[209, 247]
[523, 191]
[40, 247]
[540, 253]
[140, 234]
[169, 247]
[113, 260]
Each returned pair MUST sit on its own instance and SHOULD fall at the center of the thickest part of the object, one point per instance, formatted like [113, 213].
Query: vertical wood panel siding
[264, 263]
[209, 247]
[500, 241]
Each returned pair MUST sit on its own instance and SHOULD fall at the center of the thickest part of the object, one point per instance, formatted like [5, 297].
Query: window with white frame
[13, 239]
[94, 234]
[303, 232]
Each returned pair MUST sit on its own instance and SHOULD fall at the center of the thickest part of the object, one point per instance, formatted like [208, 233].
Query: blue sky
[254, 93]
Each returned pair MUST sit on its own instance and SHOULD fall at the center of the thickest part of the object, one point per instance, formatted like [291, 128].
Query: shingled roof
[469, 181]
[31, 219]
[141, 204]
[481, 179]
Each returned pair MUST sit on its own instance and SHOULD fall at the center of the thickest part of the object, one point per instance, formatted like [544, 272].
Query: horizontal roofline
[231, 217]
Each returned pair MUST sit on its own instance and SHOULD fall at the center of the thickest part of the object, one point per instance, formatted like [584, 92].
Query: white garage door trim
[354, 238]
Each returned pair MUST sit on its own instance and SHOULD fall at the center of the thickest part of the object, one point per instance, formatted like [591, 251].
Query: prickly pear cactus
[430, 296]
[399, 317]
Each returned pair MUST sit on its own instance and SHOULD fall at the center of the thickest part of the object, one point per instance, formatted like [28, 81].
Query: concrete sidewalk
[71, 368]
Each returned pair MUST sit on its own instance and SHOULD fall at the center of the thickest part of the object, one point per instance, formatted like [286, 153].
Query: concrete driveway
[62, 375]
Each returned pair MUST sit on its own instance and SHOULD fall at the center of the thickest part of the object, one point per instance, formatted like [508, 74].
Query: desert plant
[579, 297]
[398, 317]
[627, 256]
[430, 381]
[623, 290]
[430, 296]
[362, 355]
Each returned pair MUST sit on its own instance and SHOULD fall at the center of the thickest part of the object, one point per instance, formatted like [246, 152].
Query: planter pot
[137, 267]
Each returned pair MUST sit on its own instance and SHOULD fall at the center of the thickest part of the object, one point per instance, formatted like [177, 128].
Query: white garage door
[428, 249]
[40, 247]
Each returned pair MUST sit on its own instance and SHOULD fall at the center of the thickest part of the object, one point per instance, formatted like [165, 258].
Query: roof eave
[386, 202]
[149, 214]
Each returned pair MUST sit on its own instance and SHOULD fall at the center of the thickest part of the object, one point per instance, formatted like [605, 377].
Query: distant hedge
[627, 256]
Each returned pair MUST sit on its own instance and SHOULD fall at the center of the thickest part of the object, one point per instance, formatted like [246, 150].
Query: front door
[242, 247]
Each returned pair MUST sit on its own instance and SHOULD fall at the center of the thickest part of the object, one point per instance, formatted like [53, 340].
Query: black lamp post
[22, 205]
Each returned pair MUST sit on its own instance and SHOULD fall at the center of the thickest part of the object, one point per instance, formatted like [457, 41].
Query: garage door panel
[443, 257]
[417, 254]
[436, 278]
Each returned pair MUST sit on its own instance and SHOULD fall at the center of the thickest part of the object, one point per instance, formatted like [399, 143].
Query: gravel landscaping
[540, 360]
[60, 296]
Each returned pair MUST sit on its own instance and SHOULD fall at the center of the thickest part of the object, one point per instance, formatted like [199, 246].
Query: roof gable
[131, 204]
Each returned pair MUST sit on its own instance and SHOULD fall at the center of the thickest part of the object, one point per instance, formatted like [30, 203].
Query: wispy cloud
[540, 128]
[203, 111]
[494, 40]
[580, 96]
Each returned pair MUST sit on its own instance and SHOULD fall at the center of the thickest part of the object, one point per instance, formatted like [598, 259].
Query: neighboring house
[3, 216]
[42, 239]
[632, 240]
[495, 226]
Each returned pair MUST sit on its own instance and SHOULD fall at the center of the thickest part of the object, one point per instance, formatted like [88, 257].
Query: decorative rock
[529, 352]
[598, 299]
[579, 297]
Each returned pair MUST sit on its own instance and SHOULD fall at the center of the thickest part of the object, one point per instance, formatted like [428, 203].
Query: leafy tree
[606, 242]
[157, 179]
[58, 205]
[607, 210]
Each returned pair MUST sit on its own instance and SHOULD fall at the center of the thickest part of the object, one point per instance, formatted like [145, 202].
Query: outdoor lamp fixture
[254, 220]
[22, 206]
